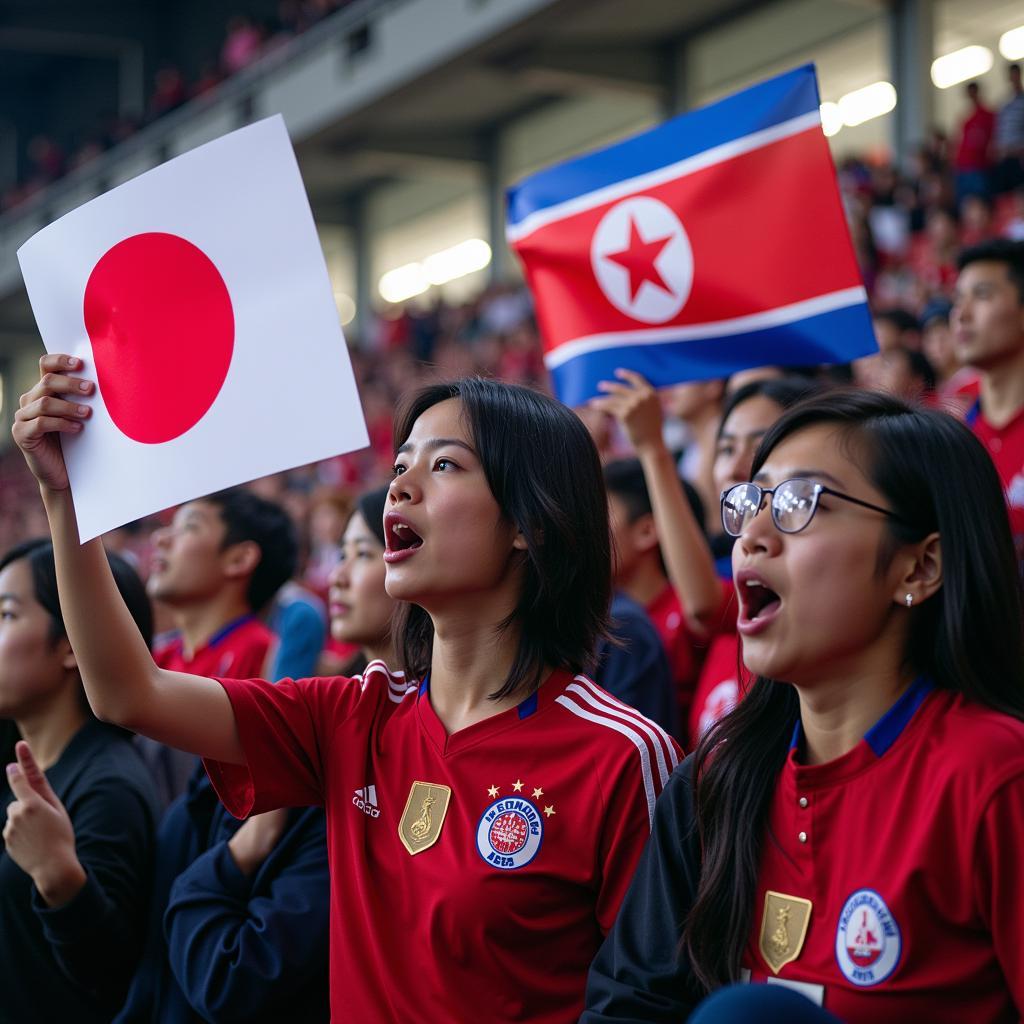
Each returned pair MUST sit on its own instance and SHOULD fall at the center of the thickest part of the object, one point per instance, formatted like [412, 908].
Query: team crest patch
[868, 943]
[423, 816]
[510, 832]
[783, 928]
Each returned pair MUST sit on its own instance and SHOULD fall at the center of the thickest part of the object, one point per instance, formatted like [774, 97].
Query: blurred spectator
[1010, 136]
[216, 566]
[78, 817]
[896, 328]
[640, 575]
[1014, 228]
[329, 512]
[900, 371]
[933, 256]
[170, 91]
[696, 406]
[46, 158]
[955, 385]
[632, 664]
[208, 80]
[242, 44]
[973, 159]
[977, 220]
[360, 607]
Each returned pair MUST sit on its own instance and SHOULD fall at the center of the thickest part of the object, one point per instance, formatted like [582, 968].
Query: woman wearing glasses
[853, 828]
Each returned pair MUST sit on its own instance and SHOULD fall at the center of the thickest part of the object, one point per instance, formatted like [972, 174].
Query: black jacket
[638, 974]
[73, 963]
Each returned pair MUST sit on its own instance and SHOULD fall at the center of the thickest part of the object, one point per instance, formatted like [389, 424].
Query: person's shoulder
[112, 766]
[612, 732]
[376, 684]
[976, 745]
[967, 723]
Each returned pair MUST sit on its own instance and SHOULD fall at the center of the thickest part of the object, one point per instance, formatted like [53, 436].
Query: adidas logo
[366, 800]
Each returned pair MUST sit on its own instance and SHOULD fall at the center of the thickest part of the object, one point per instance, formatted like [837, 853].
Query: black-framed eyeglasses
[793, 504]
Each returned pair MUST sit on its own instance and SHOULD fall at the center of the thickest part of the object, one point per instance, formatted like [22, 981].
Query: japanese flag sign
[713, 242]
[198, 298]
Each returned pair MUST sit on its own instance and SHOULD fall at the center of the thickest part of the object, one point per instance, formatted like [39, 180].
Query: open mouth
[758, 605]
[400, 537]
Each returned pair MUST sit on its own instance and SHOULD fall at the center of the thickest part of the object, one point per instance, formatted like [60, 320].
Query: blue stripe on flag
[762, 106]
[838, 336]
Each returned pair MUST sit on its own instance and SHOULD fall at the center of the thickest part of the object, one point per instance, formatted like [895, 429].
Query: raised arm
[121, 679]
[691, 567]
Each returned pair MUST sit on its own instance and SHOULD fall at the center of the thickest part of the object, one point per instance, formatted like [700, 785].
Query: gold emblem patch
[783, 928]
[423, 816]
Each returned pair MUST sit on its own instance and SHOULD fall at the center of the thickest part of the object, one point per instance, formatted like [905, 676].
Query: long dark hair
[968, 638]
[544, 472]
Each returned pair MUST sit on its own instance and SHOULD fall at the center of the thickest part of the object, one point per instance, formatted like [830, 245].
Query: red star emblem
[639, 258]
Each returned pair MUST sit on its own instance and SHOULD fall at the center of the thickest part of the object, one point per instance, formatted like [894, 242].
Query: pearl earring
[909, 599]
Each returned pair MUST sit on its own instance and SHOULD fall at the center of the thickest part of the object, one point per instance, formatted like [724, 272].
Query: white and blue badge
[510, 833]
[868, 943]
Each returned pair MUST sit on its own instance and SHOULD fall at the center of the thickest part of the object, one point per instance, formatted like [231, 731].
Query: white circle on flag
[642, 259]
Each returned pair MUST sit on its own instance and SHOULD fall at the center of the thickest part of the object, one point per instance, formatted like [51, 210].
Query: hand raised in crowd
[253, 842]
[39, 836]
[47, 410]
[636, 405]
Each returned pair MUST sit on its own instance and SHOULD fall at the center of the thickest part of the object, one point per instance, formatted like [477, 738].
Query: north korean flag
[714, 242]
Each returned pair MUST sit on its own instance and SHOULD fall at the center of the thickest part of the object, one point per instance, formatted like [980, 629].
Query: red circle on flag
[162, 329]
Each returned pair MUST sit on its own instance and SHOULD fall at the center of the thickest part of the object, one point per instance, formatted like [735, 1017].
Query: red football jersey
[1006, 446]
[473, 875]
[718, 688]
[666, 612]
[719, 684]
[908, 849]
[237, 650]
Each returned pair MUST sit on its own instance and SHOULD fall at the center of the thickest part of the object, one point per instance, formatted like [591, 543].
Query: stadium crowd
[838, 528]
[246, 40]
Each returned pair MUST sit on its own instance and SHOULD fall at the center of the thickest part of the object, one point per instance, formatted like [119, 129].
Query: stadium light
[403, 283]
[960, 65]
[346, 308]
[413, 279]
[1011, 44]
[864, 104]
[831, 119]
[458, 261]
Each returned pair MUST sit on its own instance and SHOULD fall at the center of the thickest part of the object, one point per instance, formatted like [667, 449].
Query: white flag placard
[198, 297]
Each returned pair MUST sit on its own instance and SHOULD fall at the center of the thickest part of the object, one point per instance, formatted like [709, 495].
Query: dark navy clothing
[73, 963]
[638, 976]
[224, 947]
[637, 670]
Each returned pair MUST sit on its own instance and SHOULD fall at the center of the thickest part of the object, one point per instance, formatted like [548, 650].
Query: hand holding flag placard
[198, 299]
[712, 243]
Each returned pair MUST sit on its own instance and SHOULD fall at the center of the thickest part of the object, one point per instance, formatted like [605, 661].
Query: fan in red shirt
[217, 564]
[852, 830]
[704, 585]
[640, 571]
[973, 159]
[988, 331]
[484, 821]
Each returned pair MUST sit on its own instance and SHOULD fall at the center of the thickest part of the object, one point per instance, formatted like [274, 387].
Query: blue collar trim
[886, 731]
[527, 708]
[529, 705]
[228, 629]
[973, 413]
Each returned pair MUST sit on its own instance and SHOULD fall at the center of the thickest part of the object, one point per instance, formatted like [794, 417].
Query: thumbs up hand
[39, 835]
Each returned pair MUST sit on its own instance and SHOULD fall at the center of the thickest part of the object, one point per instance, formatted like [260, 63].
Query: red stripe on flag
[766, 228]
